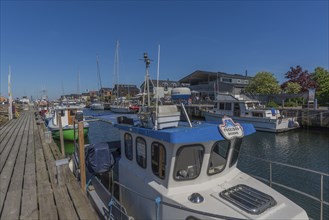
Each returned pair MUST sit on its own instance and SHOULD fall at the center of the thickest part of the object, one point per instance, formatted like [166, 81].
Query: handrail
[271, 182]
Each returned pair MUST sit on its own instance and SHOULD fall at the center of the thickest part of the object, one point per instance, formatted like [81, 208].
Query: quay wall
[305, 117]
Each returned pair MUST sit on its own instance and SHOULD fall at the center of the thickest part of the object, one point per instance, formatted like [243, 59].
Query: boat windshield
[218, 157]
[188, 162]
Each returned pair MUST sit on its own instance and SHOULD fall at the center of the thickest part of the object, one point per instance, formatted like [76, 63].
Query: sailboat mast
[10, 108]
[116, 69]
[98, 76]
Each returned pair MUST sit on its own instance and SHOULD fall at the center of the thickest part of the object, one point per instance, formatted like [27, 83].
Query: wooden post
[82, 156]
[59, 120]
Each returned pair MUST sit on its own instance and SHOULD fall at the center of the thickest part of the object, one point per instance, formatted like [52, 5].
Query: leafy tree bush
[263, 83]
[300, 76]
[321, 77]
[290, 103]
[272, 104]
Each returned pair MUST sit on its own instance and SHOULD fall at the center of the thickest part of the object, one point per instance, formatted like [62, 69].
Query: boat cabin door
[236, 109]
[71, 116]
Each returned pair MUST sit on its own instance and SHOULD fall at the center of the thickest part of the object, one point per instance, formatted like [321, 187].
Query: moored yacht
[245, 110]
[166, 169]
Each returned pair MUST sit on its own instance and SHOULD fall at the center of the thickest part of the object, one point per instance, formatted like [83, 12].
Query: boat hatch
[248, 199]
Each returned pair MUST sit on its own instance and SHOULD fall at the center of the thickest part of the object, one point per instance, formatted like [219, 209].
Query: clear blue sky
[48, 42]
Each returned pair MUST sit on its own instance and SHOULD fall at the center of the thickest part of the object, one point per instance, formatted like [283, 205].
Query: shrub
[272, 104]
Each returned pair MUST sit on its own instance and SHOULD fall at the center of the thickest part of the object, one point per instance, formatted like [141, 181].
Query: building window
[226, 80]
[228, 106]
[218, 157]
[158, 154]
[128, 146]
[141, 152]
[188, 162]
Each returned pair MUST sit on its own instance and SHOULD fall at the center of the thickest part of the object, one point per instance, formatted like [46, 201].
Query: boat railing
[273, 183]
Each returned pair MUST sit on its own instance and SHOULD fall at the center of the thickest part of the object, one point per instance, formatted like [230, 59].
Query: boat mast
[116, 69]
[98, 76]
[157, 93]
[10, 108]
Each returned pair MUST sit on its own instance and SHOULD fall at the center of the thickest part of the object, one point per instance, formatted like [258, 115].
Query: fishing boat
[166, 169]
[245, 110]
[67, 116]
[163, 168]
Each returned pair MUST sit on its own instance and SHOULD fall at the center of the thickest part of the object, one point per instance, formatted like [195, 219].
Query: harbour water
[304, 148]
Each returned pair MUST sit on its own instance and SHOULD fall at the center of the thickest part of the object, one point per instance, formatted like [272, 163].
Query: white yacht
[166, 169]
[97, 105]
[245, 110]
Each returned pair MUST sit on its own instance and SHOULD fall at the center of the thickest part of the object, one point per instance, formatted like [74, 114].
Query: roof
[205, 76]
[199, 133]
[162, 82]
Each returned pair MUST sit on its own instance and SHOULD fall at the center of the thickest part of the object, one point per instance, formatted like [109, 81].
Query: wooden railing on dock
[35, 183]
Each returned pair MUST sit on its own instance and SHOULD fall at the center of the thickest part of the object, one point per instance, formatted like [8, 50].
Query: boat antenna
[157, 93]
[147, 80]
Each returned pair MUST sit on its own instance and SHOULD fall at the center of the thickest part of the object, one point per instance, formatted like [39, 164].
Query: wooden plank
[80, 200]
[64, 204]
[7, 131]
[13, 200]
[47, 207]
[6, 172]
[29, 208]
[5, 128]
[6, 145]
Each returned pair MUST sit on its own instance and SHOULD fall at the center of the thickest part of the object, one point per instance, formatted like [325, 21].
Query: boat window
[257, 114]
[158, 152]
[218, 157]
[62, 113]
[221, 105]
[128, 146]
[236, 150]
[188, 162]
[228, 106]
[216, 105]
[141, 152]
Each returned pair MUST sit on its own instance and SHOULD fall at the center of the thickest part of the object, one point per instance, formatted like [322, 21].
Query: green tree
[292, 88]
[264, 83]
[321, 77]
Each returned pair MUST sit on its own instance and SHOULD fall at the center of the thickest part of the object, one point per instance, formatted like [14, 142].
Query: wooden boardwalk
[31, 185]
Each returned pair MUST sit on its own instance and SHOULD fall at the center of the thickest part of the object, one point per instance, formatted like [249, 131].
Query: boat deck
[32, 186]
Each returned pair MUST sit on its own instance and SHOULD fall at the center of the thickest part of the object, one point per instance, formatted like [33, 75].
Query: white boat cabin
[190, 173]
[243, 107]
